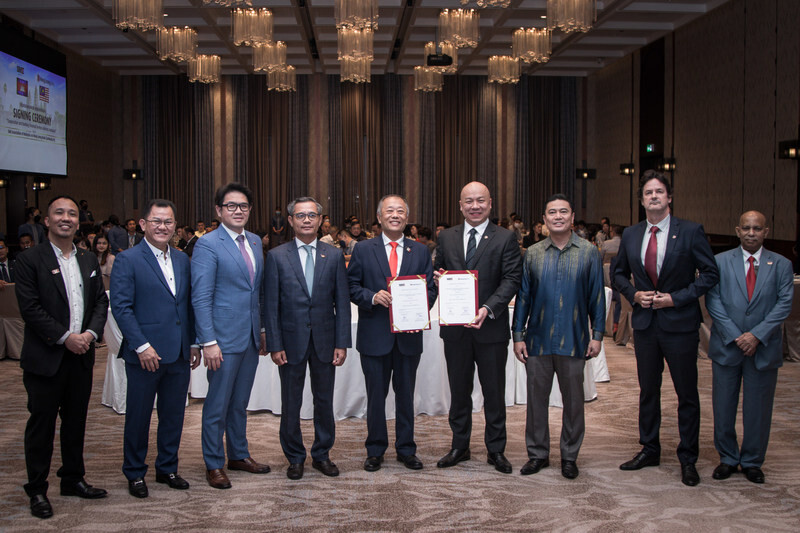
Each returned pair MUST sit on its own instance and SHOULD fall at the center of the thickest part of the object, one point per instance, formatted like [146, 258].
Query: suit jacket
[366, 274]
[44, 307]
[11, 264]
[137, 238]
[188, 248]
[117, 239]
[293, 318]
[146, 310]
[228, 308]
[687, 253]
[32, 229]
[762, 316]
[499, 265]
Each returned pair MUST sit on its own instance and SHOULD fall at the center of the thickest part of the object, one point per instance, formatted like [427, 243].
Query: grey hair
[380, 202]
[300, 200]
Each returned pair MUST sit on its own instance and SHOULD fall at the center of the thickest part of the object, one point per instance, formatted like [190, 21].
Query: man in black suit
[64, 305]
[6, 265]
[479, 245]
[664, 255]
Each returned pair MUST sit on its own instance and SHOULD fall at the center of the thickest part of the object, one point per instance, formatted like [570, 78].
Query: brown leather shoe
[248, 464]
[217, 479]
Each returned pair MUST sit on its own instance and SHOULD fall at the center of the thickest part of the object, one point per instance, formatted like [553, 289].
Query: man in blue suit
[385, 355]
[751, 301]
[308, 324]
[150, 299]
[227, 271]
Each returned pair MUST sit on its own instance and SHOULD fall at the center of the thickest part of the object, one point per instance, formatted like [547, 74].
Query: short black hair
[445, 225]
[559, 196]
[130, 220]
[157, 202]
[59, 197]
[113, 219]
[654, 175]
[233, 186]
[424, 231]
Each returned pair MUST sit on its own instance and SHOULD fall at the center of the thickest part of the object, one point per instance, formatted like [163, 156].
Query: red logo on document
[22, 87]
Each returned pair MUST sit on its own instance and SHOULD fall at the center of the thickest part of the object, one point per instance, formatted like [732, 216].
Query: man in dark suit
[6, 265]
[385, 355]
[749, 305]
[117, 236]
[64, 305]
[32, 226]
[478, 244]
[132, 237]
[227, 271]
[188, 240]
[664, 254]
[151, 302]
[307, 310]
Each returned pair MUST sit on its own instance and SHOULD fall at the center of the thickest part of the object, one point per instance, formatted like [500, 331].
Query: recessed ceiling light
[541, 16]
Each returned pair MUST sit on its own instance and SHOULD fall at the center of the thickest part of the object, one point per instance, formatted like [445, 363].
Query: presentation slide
[33, 118]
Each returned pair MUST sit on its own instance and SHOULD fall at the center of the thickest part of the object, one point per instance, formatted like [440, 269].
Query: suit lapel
[52, 265]
[86, 275]
[293, 254]
[484, 241]
[766, 268]
[233, 249]
[407, 258]
[672, 239]
[320, 264]
[459, 233]
[380, 256]
[736, 264]
[151, 260]
[635, 250]
[251, 239]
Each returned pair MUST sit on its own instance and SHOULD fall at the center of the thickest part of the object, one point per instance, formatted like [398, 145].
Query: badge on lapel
[55, 271]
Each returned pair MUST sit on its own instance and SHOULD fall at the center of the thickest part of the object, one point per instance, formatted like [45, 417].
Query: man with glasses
[150, 299]
[227, 271]
[308, 324]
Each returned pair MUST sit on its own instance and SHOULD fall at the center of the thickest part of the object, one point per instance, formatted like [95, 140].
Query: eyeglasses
[156, 222]
[231, 207]
[302, 216]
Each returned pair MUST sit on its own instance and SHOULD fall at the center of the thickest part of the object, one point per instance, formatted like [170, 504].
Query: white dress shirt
[756, 256]
[303, 254]
[661, 240]
[73, 283]
[480, 228]
[247, 247]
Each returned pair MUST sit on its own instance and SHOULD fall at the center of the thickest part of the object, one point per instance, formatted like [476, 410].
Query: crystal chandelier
[503, 69]
[570, 15]
[269, 57]
[355, 70]
[356, 14]
[141, 15]
[355, 44]
[204, 69]
[447, 49]
[488, 3]
[282, 79]
[230, 3]
[428, 79]
[459, 27]
[177, 44]
[531, 44]
[251, 26]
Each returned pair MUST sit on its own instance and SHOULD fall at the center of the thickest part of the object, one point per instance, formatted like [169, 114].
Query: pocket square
[93, 274]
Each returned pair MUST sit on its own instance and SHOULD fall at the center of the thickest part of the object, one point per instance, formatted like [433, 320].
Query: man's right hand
[521, 351]
[77, 343]
[279, 358]
[212, 356]
[382, 298]
[644, 298]
[149, 359]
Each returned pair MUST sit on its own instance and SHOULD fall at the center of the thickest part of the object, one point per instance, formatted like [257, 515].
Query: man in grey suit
[751, 301]
[307, 324]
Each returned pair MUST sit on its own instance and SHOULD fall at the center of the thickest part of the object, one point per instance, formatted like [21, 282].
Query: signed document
[409, 308]
[458, 297]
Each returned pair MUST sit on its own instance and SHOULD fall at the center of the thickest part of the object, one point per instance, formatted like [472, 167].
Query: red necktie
[393, 259]
[750, 278]
[651, 257]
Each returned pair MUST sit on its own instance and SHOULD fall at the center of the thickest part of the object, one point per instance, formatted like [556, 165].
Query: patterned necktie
[4, 273]
[471, 246]
[309, 267]
[651, 257]
[246, 257]
[393, 259]
[750, 278]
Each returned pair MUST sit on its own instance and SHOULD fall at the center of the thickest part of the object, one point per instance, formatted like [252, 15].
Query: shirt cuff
[63, 338]
[597, 335]
[489, 309]
[142, 348]
[263, 330]
[519, 336]
[195, 346]
[209, 343]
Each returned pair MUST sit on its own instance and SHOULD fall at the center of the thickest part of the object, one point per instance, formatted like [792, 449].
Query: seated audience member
[604, 233]
[104, 257]
[356, 232]
[412, 232]
[201, 229]
[25, 241]
[190, 238]
[6, 265]
[424, 236]
[214, 225]
[32, 226]
[331, 236]
[610, 245]
[439, 227]
[376, 228]
[580, 229]
[346, 243]
[117, 237]
[534, 236]
[90, 236]
[324, 228]
[82, 243]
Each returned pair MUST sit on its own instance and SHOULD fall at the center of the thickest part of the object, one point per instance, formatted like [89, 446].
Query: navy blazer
[146, 310]
[293, 318]
[687, 273]
[367, 273]
[762, 316]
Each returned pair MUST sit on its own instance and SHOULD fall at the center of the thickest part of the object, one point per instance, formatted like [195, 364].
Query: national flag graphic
[44, 93]
[22, 87]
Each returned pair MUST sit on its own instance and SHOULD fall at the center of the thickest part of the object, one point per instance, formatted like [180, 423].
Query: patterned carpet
[469, 497]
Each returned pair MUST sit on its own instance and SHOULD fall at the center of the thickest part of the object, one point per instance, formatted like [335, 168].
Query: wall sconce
[667, 164]
[41, 184]
[134, 174]
[627, 169]
[585, 173]
[789, 149]
[3, 182]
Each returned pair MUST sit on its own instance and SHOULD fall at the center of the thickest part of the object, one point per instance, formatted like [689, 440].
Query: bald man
[751, 301]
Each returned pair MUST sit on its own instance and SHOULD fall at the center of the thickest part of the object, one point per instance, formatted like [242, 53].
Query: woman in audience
[104, 256]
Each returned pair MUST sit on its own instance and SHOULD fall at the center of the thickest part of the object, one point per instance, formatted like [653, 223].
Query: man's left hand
[195, 357]
[747, 343]
[477, 322]
[339, 355]
[594, 349]
[662, 300]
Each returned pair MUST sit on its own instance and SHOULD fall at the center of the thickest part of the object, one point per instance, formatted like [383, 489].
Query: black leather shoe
[173, 480]
[83, 490]
[411, 461]
[373, 463]
[138, 488]
[327, 467]
[724, 471]
[295, 471]
[499, 461]
[453, 457]
[40, 506]
[640, 461]
[569, 469]
[753, 474]
[689, 475]
[533, 466]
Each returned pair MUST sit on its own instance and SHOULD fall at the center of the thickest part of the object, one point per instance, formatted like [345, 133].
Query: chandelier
[357, 14]
[269, 57]
[141, 15]
[428, 79]
[503, 69]
[355, 44]
[447, 49]
[489, 3]
[282, 80]
[531, 44]
[204, 69]
[251, 26]
[570, 15]
[177, 44]
[459, 27]
[355, 70]
[229, 3]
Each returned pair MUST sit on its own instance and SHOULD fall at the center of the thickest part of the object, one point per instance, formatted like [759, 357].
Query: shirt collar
[572, 241]
[480, 228]
[300, 243]
[387, 240]
[60, 254]
[158, 253]
[756, 255]
[662, 226]
[230, 232]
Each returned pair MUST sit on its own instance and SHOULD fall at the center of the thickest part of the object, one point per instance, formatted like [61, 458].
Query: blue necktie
[471, 246]
[309, 267]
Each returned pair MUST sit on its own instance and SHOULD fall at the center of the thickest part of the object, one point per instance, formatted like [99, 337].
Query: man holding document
[389, 323]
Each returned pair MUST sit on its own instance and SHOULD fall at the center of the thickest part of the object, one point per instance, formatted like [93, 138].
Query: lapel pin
[55, 271]
[322, 255]
[408, 249]
[485, 236]
[674, 236]
[769, 262]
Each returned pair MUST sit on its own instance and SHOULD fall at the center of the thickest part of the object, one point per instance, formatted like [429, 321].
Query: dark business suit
[117, 239]
[734, 314]
[147, 311]
[499, 265]
[35, 230]
[383, 352]
[10, 266]
[669, 333]
[58, 381]
[308, 328]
